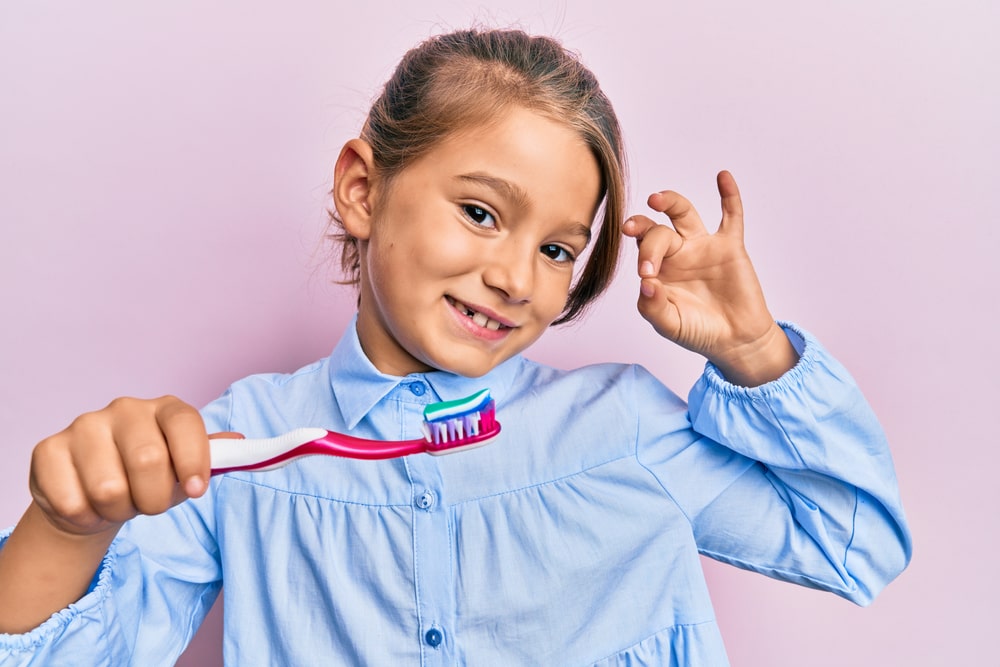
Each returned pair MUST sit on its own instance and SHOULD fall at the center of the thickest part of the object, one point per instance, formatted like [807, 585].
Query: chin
[467, 367]
[465, 359]
[466, 370]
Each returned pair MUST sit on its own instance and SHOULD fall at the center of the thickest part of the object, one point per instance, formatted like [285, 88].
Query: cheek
[447, 239]
[421, 236]
[387, 271]
[555, 295]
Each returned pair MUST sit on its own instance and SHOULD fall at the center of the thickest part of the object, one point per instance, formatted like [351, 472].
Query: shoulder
[277, 380]
[537, 373]
[630, 385]
[560, 422]
[264, 403]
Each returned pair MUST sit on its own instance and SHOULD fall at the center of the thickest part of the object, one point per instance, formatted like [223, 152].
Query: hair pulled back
[466, 78]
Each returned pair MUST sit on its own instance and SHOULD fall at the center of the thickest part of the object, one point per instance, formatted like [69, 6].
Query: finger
[732, 205]
[101, 470]
[656, 242]
[657, 308]
[637, 226]
[681, 212]
[187, 442]
[226, 435]
[148, 464]
[56, 487]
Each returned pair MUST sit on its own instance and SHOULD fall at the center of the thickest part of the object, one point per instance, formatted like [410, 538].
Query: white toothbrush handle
[234, 453]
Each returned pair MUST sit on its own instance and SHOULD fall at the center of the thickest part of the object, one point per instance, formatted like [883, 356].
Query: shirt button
[425, 500]
[417, 388]
[434, 637]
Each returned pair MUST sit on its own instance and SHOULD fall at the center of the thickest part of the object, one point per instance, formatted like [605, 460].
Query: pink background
[164, 168]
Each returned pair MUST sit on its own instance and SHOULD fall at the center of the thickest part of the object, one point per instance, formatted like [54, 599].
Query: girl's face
[470, 253]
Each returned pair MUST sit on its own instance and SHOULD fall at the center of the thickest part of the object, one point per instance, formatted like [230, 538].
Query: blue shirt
[572, 539]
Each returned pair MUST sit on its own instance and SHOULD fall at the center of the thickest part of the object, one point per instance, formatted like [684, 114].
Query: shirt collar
[358, 386]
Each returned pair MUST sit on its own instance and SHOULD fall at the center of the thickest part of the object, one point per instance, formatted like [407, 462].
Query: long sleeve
[799, 483]
[152, 590]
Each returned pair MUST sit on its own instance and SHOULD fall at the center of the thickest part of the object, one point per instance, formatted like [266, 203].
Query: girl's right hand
[133, 457]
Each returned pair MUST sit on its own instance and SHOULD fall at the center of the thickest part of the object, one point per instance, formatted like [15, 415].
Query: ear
[352, 187]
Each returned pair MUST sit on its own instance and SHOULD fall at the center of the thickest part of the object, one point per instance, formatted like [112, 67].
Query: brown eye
[557, 253]
[479, 216]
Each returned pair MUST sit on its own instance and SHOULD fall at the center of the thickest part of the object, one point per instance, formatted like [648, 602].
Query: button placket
[431, 543]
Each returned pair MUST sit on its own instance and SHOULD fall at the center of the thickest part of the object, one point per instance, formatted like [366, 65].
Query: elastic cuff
[803, 342]
[99, 589]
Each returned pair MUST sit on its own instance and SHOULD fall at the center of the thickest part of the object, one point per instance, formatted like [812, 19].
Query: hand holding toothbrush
[132, 457]
[145, 456]
[700, 290]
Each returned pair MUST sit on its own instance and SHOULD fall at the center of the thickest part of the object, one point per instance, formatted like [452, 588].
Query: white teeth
[476, 316]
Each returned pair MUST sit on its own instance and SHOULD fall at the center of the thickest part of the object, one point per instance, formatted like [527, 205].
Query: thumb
[657, 308]
[229, 435]
[195, 487]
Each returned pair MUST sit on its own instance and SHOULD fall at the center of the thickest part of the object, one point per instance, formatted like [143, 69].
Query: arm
[821, 495]
[43, 569]
[88, 483]
[795, 478]
[105, 468]
[792, 479]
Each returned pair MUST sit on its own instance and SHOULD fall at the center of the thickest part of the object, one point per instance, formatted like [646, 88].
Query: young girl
[482, 203]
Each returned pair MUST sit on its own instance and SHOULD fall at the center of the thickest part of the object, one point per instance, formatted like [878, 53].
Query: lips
[478, 317]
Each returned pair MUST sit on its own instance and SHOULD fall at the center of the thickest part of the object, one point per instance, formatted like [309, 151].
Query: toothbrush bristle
[460, 424]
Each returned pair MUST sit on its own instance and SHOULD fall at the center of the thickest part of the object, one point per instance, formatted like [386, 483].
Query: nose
[511, 271]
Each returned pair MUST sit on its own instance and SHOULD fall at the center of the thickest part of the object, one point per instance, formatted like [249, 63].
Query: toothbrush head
[452, 426]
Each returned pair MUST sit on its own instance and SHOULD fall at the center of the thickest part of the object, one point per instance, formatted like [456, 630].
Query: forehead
[535, 158]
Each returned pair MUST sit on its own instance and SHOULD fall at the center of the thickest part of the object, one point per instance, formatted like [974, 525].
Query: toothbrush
[449, 426]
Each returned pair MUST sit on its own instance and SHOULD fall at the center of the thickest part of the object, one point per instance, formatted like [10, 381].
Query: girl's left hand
[700, 290]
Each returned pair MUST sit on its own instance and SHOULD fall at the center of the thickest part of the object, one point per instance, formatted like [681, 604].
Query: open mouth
[479, 318]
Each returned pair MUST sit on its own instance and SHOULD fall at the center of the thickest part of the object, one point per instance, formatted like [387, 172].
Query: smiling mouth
[479, 318]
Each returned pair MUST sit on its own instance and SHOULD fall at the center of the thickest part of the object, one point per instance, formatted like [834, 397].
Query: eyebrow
[510, 191]
[516, 195]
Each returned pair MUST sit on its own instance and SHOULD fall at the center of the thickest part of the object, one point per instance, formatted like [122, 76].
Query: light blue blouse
[572, 539]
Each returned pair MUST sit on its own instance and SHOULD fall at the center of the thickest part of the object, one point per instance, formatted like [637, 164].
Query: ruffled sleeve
[41, 646]
[807, 492]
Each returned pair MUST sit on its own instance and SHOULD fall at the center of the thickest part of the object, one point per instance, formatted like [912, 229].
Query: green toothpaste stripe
[448, 409]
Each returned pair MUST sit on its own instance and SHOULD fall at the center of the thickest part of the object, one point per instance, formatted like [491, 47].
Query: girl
[482, 203]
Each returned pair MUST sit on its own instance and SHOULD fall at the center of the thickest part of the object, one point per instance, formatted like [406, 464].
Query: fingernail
[646, 269]
[646, 288]
[194, 487]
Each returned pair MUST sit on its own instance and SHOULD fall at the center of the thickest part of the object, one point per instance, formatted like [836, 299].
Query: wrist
[44, 568]
[760, 361]
[47, 528]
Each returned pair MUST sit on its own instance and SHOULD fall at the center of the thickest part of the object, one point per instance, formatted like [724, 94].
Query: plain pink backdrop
[164, 172]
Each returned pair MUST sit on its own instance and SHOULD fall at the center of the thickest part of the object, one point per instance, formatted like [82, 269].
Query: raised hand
[700, 290]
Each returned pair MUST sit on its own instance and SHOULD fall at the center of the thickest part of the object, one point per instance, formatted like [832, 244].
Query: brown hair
[454, 81]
